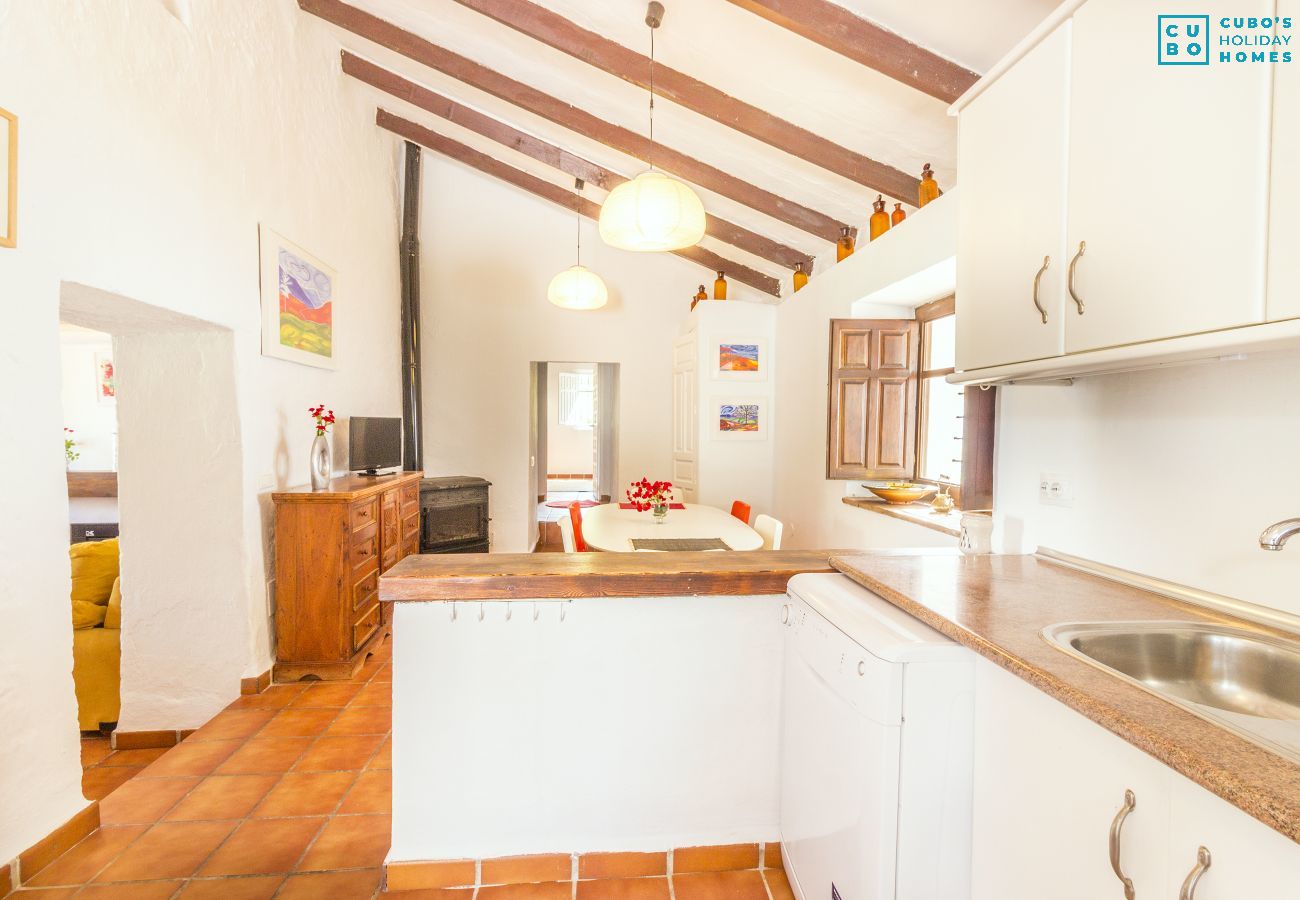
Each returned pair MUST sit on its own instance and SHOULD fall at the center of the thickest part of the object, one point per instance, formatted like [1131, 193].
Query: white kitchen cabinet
[1284, 211]
[1011, 219]
[1247, 858]
[1048, 785]
[1168, 171]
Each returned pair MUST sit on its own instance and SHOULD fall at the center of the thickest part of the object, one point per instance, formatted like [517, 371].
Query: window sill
[916, 513]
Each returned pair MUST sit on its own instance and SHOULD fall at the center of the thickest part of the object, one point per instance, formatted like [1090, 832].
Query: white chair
[566, 534]
[770, 530]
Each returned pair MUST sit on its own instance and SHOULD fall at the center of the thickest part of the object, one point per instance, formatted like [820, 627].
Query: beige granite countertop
[917, 513]
[997, 605]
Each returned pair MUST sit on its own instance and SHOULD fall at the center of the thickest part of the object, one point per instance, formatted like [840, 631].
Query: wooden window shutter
[873, 384]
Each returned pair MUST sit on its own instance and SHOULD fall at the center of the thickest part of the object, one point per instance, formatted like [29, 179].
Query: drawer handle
[1116, 829]
[1069, 281]
[1188, 891]
[1038, 278]
[785, 614]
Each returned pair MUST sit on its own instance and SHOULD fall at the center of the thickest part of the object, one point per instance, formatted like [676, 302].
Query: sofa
[97, 630]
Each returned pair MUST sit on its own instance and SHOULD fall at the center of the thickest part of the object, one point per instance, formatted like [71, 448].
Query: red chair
[740, 509]
[575, 516]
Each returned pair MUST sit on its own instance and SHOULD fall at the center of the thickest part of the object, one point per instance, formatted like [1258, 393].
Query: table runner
[678, 544]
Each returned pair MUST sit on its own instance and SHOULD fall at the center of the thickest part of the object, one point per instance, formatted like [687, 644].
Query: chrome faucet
[1276, 535]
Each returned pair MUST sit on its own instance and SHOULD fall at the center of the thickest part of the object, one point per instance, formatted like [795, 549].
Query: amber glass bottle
[844, 246]
[720, 287]
[929, 187]
[699, 295]
[800, 277]
[898, 214]
[879, 218]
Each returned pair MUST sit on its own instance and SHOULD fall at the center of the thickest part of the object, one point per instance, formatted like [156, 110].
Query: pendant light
[577, 287]
[652, 212]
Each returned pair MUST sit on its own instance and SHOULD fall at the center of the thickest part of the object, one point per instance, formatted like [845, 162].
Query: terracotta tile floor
[287, 794]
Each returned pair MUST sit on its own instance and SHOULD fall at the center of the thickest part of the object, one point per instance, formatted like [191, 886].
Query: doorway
[150, 395]
[575, 426]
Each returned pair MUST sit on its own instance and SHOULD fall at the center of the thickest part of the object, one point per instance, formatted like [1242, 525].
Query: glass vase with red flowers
[651, 495]
[321, 465]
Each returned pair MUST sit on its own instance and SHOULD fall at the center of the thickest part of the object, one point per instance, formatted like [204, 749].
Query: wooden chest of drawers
[330, 548]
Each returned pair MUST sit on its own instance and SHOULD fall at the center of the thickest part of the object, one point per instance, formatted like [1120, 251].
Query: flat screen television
[374, 444]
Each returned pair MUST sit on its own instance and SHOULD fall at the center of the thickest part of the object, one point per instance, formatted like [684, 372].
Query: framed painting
[741, 418]
[105, 379]
[298, 294]
[8, 179]
[743, 359]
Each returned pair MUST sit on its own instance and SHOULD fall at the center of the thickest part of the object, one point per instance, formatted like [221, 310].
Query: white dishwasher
[875, 749]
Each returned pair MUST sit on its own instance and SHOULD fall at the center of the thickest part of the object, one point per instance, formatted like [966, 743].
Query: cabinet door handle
[1116, 829]
[1069, 281]
[1038, 278]
[1193, 877]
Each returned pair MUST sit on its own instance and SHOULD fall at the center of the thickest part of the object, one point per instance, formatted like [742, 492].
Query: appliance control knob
[862, 667]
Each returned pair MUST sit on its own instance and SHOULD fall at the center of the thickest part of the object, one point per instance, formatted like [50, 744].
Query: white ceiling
[736, 52]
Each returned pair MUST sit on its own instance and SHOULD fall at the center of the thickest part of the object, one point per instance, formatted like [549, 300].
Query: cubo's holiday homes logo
[1183, 40]
[1193, 40]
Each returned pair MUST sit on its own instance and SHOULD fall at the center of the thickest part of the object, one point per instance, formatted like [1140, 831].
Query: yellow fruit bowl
[900, 493]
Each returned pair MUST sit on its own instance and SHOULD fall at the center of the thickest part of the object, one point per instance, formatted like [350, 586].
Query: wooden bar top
[528, 576]
[345, 487]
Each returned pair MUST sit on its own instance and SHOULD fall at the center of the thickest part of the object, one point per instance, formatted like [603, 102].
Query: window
[578, 399]
[893, 414]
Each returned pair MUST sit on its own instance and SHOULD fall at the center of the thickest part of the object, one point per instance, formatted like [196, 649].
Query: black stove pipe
[409, 262]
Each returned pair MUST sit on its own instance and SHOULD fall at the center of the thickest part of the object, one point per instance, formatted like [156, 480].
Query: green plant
[70, 451]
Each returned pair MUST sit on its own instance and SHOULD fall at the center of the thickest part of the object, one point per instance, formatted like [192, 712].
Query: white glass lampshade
[577, 287]
[652, 212]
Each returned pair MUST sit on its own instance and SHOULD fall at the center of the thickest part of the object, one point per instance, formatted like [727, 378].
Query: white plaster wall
[149, 153]
[568, 449]
[488, 250]
[1175, 472]
[630, 724]
[878, 281]
[731, 469]
[94, 423]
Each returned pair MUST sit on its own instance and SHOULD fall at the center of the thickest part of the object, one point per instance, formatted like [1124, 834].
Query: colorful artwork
[741, 358]
[105, 379]
[738, 417]
[738, 357]
[297, 303]
[8, 179]
[306, 310]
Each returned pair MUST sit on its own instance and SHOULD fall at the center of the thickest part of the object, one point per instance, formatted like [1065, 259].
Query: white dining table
[607, 527]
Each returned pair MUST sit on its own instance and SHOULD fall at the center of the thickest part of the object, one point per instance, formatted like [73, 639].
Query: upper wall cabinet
[1145, 188]
[1167, 204]
[1284, 210]
[1011, 268]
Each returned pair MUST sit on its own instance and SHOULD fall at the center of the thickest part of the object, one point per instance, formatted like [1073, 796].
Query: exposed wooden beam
[553, 109]
[568, 37]
[865, 42]
[557, 157]
[558, 195]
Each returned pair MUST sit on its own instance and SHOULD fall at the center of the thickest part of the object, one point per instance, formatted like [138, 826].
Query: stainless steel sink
[1245, 681]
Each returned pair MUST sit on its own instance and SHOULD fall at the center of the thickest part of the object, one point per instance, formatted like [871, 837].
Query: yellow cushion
[86, 614]
[94, 569]
[113, 612]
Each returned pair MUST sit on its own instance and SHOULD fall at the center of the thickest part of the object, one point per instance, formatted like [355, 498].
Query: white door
[1247, 858]
[1048, 786]
[686, 425]
[1284, 211]
[1011, 218]
[1167, 183]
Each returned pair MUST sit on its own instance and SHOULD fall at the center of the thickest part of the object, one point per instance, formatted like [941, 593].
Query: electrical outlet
[1055, 489]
